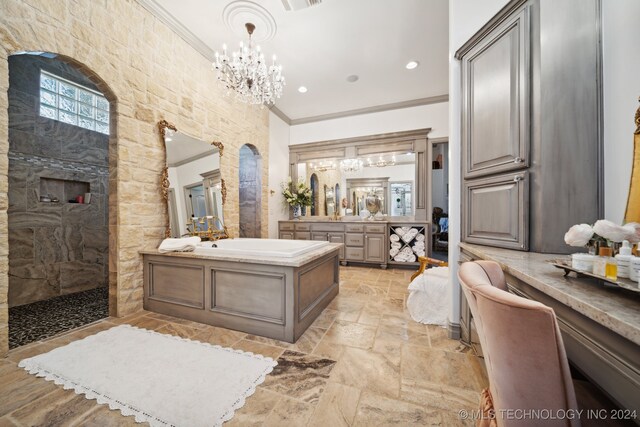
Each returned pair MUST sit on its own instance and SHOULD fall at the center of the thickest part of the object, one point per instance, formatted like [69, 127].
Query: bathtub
[260, 247]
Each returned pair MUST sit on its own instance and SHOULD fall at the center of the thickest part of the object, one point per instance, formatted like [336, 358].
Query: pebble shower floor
[43, 319]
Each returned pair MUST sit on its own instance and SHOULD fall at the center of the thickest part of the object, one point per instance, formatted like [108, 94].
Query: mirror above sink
[192, 186]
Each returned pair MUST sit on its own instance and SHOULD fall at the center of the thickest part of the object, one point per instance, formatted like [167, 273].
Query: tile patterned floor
[363, 362]
[44, 319]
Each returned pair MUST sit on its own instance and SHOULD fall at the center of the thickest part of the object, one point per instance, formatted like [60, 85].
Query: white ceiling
[321, 45]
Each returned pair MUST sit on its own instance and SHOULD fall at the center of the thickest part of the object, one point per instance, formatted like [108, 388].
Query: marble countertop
[298, 261]
[388, 220]
[615, 309]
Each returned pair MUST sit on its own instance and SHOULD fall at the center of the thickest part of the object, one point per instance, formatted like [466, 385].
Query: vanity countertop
[287, 262]
[342, 220]
[615, 309]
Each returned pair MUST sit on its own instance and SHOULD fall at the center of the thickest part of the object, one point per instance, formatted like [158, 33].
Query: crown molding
[280, 114]
[374, 109]
[182, 31]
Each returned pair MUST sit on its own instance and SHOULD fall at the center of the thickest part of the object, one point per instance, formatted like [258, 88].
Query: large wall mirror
[193, 187]
[632, 213]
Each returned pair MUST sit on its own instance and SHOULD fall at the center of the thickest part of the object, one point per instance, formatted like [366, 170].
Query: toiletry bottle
[623, 260]
[600, 262]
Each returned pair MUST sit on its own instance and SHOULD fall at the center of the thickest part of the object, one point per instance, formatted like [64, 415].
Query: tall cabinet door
[375, 248]
[495, 110]
[497, 211]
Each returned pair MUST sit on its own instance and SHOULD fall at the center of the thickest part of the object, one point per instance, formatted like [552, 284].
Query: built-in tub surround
[268, 295]
[55, 248]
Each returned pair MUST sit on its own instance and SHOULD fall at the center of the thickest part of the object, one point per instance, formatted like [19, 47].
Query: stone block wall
[54, 248]
[148, 73]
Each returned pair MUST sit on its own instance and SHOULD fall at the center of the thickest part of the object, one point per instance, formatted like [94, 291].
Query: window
[71, 103]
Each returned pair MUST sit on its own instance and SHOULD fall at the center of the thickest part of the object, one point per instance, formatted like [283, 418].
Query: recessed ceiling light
[352, 78]
[302, 89]
[412, 64]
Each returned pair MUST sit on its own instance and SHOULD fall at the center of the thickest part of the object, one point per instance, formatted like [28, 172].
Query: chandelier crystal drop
[350, 165]
[247, 74]
[382, 162]
[323, 166]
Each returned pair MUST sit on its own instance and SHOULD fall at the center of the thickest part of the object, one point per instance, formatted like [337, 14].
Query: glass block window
[71, 103]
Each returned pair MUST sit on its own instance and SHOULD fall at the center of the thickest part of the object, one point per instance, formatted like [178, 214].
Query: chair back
[524, 353]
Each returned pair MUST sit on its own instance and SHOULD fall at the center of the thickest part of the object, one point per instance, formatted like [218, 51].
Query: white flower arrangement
[603, 231]
[296, 195]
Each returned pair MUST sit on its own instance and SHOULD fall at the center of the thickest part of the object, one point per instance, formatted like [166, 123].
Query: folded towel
[396, 245]
[394, 238]
[393, 252]
[399, 231]
[409, 235]
[186, 244]
[420, 237]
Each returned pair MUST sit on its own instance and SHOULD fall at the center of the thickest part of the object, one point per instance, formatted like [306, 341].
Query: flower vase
[296, 212]
[304, 211]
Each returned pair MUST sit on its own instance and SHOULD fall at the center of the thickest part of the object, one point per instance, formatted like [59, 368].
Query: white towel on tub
[184, 244]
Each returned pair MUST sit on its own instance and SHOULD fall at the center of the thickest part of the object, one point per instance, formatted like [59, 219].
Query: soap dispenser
[624, 259]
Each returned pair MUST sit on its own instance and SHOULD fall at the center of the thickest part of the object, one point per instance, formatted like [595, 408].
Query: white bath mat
[161, 379]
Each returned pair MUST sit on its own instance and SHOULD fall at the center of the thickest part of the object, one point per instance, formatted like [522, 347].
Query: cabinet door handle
[518, 160]
[518, 178]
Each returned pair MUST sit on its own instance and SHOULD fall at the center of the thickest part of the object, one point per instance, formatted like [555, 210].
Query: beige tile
[146, 322]
[403, 322]
[178, 330]
[7, 422]
[371, 291]
[219, 336]
[348, 308]
[61, 407]
[329, 350]
[433, 368]
[362, 369]
[308, 341]
[177, 320]
[31, 350]
[370, 315]
[256, 409]
[390, 334]
[325, 319]
[300, 376]
[381, 411]
[258, 348]
[289, 413]
[18, 388]
[102, 416]
[351, 334]
[268, 341]
[439, 397]
[80, 333]
[129, 318]
[337, 406]
[439, 338]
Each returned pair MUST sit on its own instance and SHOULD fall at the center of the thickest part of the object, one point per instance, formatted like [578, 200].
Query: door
[496, 211]
[375, 248]
[495, 111]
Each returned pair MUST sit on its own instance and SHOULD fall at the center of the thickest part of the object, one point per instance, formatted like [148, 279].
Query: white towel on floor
[185, 244]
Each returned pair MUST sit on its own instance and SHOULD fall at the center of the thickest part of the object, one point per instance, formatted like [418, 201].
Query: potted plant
[297, 196]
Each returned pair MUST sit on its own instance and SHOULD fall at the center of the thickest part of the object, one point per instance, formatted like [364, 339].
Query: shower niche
[53, 190]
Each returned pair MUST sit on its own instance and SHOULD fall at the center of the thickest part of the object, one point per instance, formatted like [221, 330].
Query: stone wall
[148, 73]
[54, 248]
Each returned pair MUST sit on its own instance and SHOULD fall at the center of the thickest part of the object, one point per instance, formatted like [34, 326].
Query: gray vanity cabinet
[531, 109]
[375, 247]
[495, 119]
[497, 210]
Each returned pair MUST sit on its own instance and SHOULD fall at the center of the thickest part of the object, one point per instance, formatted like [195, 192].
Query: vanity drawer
[354, 254]
[354, 228]
[286, 226]
[354, 239]
[328, 227]
[303, 227]
[378, 228]
[303, 235]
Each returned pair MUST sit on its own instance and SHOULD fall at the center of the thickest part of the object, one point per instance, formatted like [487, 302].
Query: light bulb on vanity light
[411, 65]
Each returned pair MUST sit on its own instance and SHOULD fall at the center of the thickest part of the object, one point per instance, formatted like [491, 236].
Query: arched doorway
[315, 194]
[61, 130]
[250, 188]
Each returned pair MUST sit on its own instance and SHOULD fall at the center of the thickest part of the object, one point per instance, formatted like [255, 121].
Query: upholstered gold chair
[524, 353]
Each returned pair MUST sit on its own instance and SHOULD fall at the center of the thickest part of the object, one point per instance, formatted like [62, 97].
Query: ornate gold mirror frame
[632, 213]
[210, 233]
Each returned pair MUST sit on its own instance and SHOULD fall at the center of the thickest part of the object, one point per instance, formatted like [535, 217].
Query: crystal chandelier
[350, 165]
[323, 166]
[246, 73]
[382, 162]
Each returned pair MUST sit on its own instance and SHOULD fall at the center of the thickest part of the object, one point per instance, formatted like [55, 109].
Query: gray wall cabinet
[532, 102]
